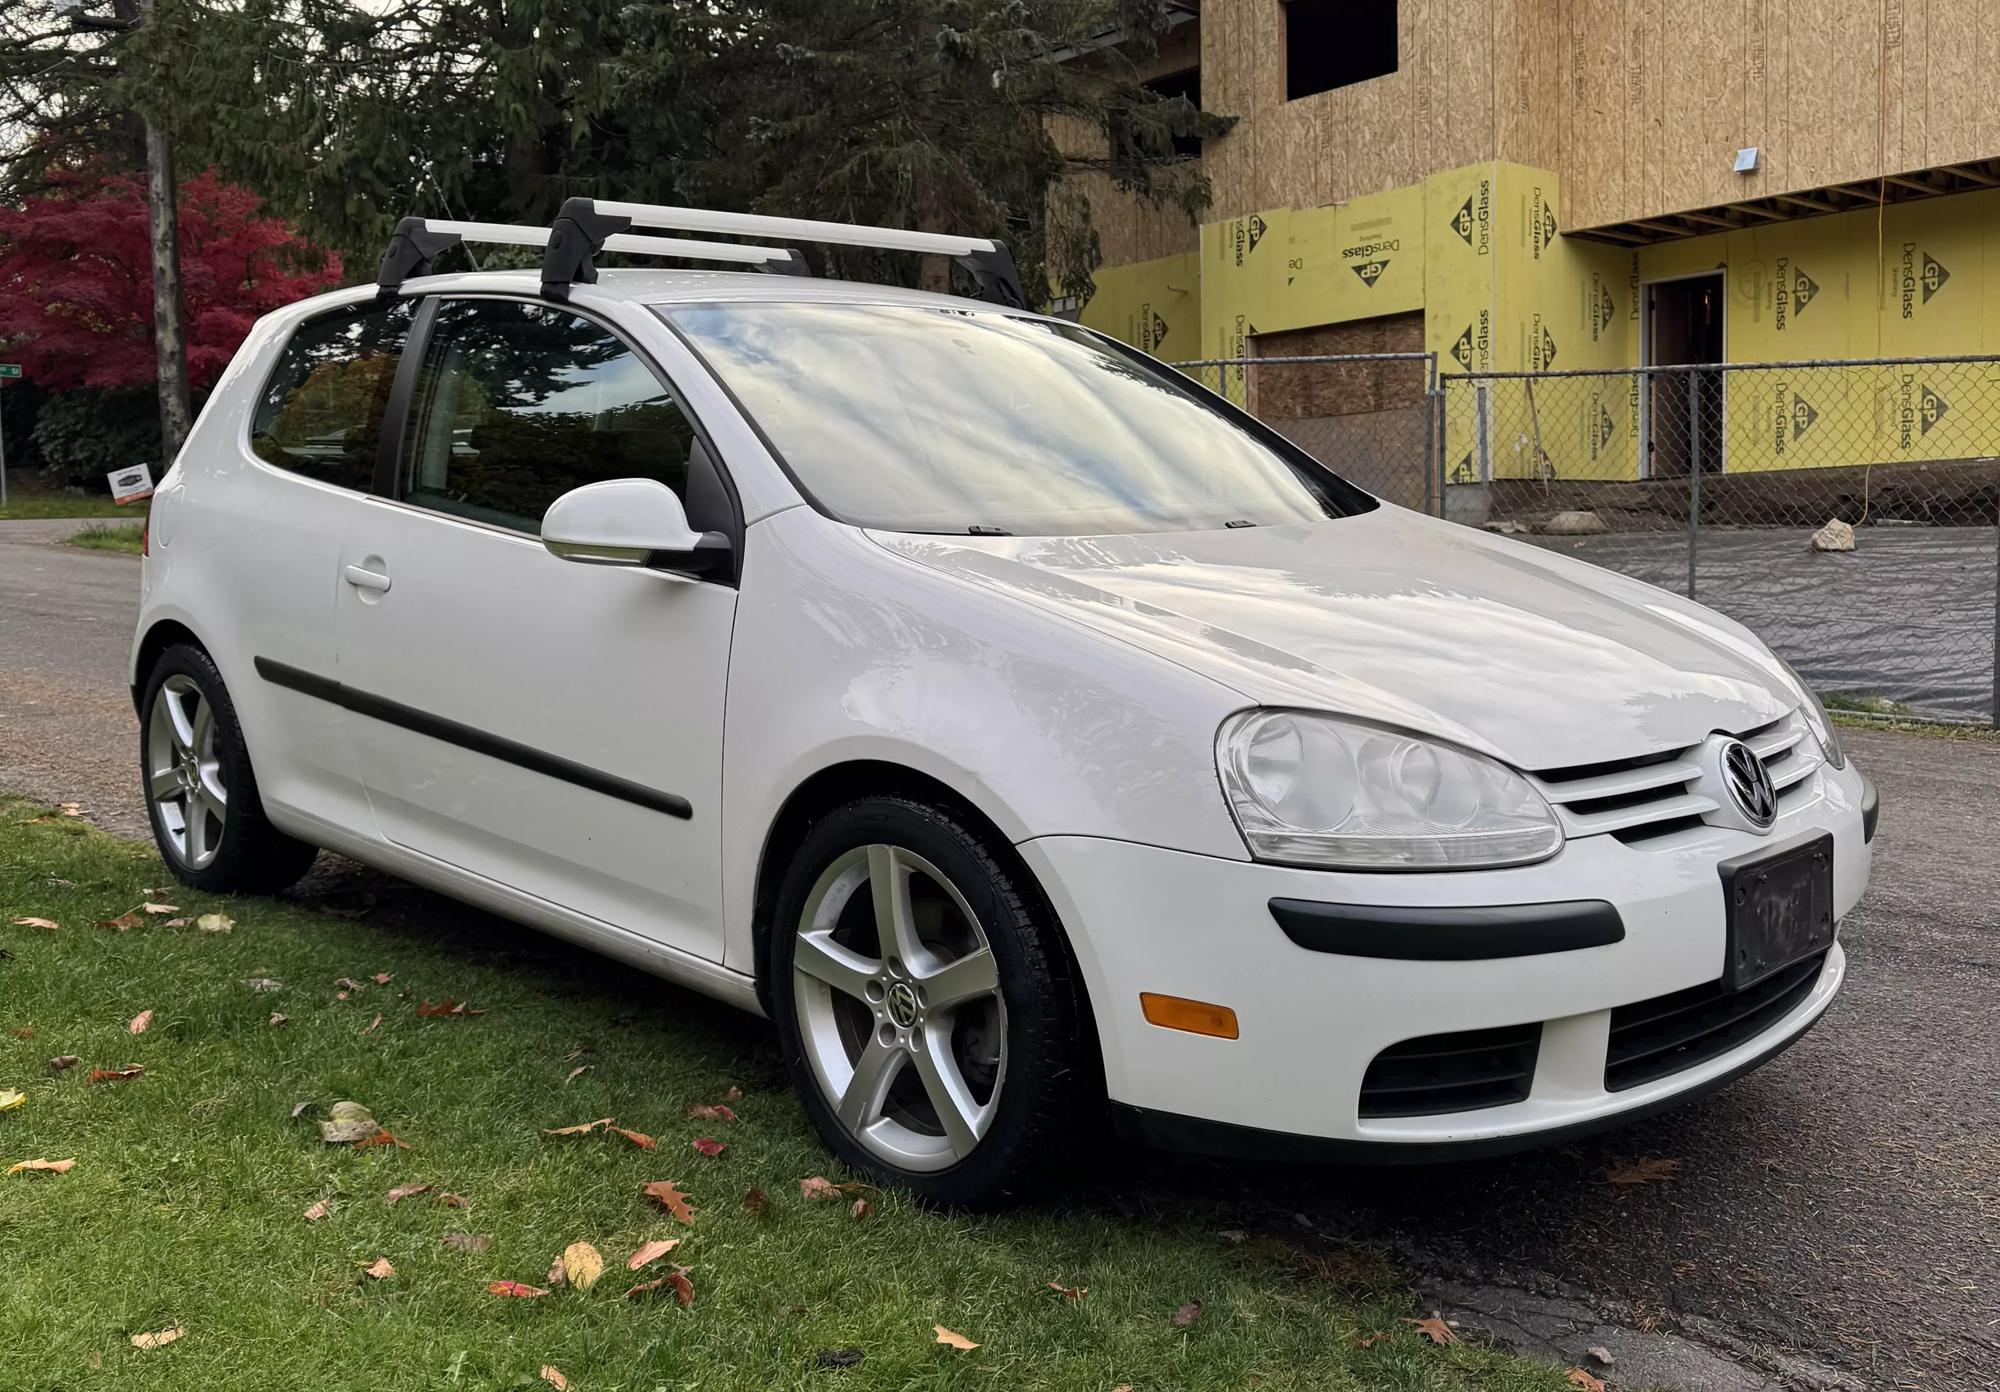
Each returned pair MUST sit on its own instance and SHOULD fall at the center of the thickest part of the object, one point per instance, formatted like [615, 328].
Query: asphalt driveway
[1835, 1217]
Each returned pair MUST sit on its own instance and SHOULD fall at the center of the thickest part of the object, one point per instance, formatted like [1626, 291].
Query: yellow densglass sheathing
[1153, 305]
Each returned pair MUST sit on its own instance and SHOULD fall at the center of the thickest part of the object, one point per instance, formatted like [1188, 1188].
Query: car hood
[1390, 616]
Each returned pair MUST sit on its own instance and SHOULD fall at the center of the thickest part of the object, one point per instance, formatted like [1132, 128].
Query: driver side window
[518, 403]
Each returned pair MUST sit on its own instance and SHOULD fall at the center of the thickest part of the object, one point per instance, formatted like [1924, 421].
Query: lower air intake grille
[1452, 1072]
[1652, 1038]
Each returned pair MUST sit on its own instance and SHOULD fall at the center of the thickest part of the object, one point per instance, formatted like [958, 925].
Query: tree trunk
[169, 335]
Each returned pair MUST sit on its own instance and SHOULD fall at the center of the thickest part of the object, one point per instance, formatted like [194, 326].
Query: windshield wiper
[1240, 522]
[976, 530]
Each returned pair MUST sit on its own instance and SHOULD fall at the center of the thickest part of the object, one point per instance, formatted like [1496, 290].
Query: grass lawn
[111, 536]
[186, 1205]
[23, 505]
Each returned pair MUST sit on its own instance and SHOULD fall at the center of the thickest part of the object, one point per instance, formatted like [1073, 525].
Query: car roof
[656, 287]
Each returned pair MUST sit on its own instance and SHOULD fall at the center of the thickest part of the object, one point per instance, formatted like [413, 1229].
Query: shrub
[81, 436]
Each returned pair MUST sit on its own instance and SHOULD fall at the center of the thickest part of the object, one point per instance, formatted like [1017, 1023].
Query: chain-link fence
[1847, 511]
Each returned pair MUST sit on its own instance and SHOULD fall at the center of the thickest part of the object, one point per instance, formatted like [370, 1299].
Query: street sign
[10, 372]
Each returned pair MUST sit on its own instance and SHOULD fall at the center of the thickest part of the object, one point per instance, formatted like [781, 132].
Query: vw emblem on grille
[1749, 783]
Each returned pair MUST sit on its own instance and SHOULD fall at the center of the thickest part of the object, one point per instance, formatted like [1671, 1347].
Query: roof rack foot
[413, 250]
[575, 237]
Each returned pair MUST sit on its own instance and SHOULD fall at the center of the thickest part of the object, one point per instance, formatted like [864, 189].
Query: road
[1835, 1218]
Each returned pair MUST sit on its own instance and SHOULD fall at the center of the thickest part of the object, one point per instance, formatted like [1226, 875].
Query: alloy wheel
[899, 1007]
[184, 772]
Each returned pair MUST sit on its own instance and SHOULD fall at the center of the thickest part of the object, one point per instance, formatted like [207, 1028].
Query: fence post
[1996, 614]
[1433, 493]
[1694, 472]
[1485, 447]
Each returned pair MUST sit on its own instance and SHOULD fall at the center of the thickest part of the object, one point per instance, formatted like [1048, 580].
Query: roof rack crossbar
[587, 224]
[417, 243]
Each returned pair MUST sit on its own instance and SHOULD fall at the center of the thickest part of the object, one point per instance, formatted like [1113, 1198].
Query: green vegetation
[23, 505]
[108, 537]
[186, 1206]
[1858, 704]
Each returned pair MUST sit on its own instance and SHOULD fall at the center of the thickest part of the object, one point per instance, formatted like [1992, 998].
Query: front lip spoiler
[1471, 933]
[1226, 1140]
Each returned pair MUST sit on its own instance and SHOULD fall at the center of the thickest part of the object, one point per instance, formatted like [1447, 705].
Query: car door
[552, 726]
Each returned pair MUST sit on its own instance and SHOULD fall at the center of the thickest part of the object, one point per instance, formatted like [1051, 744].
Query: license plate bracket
[1779, 908]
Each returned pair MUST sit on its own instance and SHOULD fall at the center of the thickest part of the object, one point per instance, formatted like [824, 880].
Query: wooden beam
[1811, 203]
[1971, 175]
[1710, 219]
[1902, 181]
[1755, 211]
[1615, 234]
[1666, 228]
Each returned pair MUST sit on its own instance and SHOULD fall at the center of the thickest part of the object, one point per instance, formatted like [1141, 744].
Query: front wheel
[201, 793]
[930, 1014]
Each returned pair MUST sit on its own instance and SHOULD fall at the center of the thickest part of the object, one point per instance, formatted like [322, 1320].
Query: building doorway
[1684, 323]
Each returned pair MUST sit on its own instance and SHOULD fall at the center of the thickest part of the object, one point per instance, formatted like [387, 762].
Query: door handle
[366, 579]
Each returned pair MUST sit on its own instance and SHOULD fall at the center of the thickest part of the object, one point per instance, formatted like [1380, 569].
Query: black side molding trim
[1470, 934]
[1871, 808]
[466, 737]
[1197, 1136]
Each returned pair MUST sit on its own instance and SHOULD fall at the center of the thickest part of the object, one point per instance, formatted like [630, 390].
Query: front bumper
[1311, 1022]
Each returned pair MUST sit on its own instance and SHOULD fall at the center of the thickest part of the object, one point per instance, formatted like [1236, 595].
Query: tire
[192, 757]
[872, 1044]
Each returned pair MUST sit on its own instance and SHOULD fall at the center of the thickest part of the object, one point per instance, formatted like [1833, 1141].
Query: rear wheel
[201, 793]
[930, 1014]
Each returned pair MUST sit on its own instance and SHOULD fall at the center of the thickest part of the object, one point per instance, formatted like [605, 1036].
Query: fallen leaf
[277, 1019]
[71, 809]
[157, 1339]
[383, 1136]
[1600, 1354]
[637, 1138]
[346, 1123]
[265, 983]
[10, 1098]
[1370, 1340]
[709, 1146]
[862, 1209]
[675, 1280]
[1579, 1378]
[124, 922]
[583, 1264]
[348, 983]
[106, 1075]
[161, 908]
[140, 1022]
[1069, 1292]
[340, 995]
[663, 1192]
[405, 1191]
[838, 1358]
[951, 1340]
[1187, 1314]
[711, 1111]
[322, 1209]
[1645, 1170]
[453, 1200]
[651, 1252]
[41, 1167]
[558, 1276]
[379, 1269]
[577, 1072]
[734, 1094]
[582, 1128]
[1235, 1237]
[820, 1187]
[1434, 1329]
[215, 923]
[517, 1289]
[157, 893]
[47, 923]
[299, 1109]
[62, 1061]
[552, 1375]
[447, 1006]
[757, 1201]
[467, 1242]
[383, 978]
[374, 1024]
[177, 923]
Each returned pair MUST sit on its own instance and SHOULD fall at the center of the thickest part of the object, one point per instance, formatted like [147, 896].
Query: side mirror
[631, 522]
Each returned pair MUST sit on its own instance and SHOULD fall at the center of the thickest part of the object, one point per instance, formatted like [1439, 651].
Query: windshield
[917, 419]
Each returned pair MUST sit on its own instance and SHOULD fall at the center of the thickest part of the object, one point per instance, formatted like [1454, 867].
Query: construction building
[1595, 185]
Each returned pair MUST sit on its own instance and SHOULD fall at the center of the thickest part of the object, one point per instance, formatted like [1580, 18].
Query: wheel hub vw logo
[1749, 783]
[902, 1003]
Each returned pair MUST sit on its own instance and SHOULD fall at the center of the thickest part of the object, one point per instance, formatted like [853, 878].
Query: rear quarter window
[322, 407]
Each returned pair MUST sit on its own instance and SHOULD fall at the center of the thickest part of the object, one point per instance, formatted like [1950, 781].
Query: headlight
[1310, 789]
[1817, 719]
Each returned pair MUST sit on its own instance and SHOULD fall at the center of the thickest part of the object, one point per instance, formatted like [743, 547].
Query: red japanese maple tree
[76, 289]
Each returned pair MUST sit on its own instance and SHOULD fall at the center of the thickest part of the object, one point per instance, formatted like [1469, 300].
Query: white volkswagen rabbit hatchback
[1026, 731]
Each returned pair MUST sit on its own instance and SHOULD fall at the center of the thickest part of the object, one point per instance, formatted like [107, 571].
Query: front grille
[1652, 1038]
[1650, 797]
[1452, 1072]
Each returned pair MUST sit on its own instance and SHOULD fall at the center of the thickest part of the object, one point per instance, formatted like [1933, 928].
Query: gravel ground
[1839, 1207]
